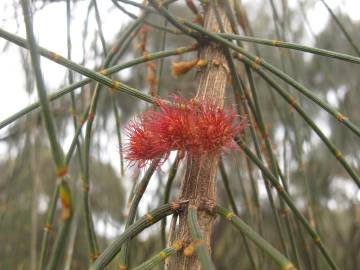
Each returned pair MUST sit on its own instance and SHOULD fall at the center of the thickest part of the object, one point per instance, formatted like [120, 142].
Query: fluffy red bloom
[189, 126]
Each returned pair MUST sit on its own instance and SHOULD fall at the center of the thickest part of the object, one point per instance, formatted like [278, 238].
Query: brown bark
[199, 183]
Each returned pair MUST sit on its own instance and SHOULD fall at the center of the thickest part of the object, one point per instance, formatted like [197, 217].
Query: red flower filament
[188, 126]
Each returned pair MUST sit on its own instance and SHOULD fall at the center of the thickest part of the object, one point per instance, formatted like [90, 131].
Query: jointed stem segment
[142, 223]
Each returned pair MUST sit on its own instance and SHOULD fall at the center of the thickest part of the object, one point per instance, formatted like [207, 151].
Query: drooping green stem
[333, 149]
[278, 257]
[159, 70]
[146, 221]
[198, 241]
[144, 7]
[140, 189]
[227, 186]
[294, 46]
[118, 132]
[99, 26]
[272, 159]
[257, 61]
[45, 109]
[59, 244]
[132, 30]
[48, 54]
[71, 81]
[238, 87]
[73, 230]
[342, 28]
[257, 115]
[127, 36]
[93, 243]
[75, 140]
[48, 226]
[314, 235]
[254, 62]
[97, 76]
[62, 188]
[160, 257]
[234, 208]
[149, 10]
[241, 94]
[169, 182]
[159, 7]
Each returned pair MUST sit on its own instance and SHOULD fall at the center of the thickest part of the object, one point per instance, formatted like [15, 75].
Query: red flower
[189, 126]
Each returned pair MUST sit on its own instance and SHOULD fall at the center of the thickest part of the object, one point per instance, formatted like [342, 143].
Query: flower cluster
[189, 126]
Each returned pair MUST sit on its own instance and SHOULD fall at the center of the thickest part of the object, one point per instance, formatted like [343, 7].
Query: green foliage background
[27, 176]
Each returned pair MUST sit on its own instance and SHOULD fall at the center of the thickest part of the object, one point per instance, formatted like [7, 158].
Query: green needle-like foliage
[144, 222]
[198, 241]
[289, 175]
[282, 261]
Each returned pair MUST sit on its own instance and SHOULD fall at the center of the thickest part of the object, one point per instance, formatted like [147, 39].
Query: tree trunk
[199, 183]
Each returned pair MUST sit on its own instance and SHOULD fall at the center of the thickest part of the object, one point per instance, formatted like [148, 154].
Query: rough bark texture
[199, 183]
